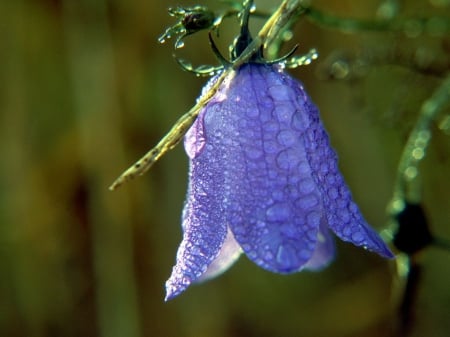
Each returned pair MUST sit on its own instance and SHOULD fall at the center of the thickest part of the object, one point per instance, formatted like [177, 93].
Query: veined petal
[271, 202]
[343, 215]
[203, 220]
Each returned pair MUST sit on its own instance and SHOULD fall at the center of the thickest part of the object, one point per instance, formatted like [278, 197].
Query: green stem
[415, 149]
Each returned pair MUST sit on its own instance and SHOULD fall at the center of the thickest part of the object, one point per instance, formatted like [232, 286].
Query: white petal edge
[228, 254]
[325, 250]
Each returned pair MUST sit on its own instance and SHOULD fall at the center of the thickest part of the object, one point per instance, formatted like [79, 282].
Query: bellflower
[263, 180]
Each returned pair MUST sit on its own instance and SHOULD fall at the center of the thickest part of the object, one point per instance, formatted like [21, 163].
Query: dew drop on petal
[307, 185]
[270, 146]
[278, 212]
[281, 93]
[287, 138]
[307, 202]
[286, 258]
[357, 236]
[287, 159]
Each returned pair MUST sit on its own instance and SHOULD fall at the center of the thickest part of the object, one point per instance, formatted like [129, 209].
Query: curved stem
[417, 143]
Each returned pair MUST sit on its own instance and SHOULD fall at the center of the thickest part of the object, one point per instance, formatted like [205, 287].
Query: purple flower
[263, 180]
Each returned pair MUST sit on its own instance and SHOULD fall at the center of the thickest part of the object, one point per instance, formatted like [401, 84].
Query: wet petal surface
[228, 255]
[203, 220]
[273, 205]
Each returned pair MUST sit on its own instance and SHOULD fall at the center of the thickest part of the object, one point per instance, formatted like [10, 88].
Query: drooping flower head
[263, 180]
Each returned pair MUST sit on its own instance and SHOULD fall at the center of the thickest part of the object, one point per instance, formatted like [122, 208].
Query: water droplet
[300, 122]
[331, 179]
[411, 173]
[422, 138]
[287, 35]
[304, 168]
[288, 159]
[396, 206]
[282, 93]
[287, 138]
[279, 212]
[343, 215]
[270, 128]
[347, 231]
[286, 258]
[179, 44]
[265, 103]
[270, 146]
[357, 236]
[307, 202]
[418, 153]
[333, 193]
[195, 140]
[283, 113]
[268, 256]
[260, 224]
[307, 185]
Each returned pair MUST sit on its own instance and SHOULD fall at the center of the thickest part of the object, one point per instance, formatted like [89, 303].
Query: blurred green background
[85, 90]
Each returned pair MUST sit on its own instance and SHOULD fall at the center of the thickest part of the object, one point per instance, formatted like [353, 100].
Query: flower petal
[203, 222]
[343, 215]
[272, 204]
[325, 249]
[228, 254]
